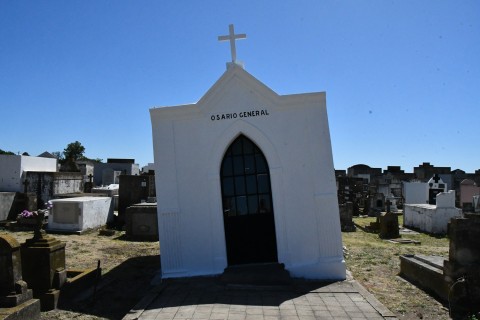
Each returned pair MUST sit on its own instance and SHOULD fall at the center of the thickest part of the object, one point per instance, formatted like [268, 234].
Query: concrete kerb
[140, 307]
[377, 305]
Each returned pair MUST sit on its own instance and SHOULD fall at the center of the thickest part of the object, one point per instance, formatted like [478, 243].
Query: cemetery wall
[13, 167]
[125, 168]
[415, 192]
[10, 173]
[48, 184]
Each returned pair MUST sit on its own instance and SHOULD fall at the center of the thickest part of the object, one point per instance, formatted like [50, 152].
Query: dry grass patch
[375, 263]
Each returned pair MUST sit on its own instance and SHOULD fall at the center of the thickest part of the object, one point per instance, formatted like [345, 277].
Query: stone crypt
[246, 176]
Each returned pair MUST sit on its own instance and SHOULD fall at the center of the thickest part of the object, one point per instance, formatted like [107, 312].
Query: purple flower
[26, 214]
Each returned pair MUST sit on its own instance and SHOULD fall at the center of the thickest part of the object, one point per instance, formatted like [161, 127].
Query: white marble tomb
[79, 214]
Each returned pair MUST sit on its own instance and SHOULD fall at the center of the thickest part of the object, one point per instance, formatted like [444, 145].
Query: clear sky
[402, 77]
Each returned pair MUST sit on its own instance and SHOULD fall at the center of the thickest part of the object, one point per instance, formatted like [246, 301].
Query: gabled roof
[235, 76]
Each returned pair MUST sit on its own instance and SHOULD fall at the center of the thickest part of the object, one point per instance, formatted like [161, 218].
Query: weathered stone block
[388, 224]
[141, 222]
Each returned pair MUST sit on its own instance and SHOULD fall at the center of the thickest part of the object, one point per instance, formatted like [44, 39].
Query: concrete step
[265, 274]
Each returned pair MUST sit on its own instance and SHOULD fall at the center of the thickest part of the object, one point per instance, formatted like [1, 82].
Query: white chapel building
[246, 176]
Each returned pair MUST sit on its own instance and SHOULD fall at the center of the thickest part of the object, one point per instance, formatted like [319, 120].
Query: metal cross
[232, 37]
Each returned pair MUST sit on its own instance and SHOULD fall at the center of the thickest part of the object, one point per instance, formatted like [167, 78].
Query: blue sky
[402, 77]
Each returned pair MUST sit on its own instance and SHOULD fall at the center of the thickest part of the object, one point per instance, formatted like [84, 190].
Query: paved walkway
[208, 298]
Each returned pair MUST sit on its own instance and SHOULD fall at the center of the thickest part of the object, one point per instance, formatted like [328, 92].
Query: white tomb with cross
[246, 176]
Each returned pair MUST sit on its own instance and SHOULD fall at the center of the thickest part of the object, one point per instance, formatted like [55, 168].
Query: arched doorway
[247, 204]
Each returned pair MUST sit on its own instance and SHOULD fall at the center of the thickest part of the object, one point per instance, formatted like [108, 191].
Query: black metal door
[247, 204]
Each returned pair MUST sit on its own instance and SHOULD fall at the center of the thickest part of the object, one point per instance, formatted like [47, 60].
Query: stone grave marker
[43, 265]
[15, 298]
[388, 223]
[346, 217]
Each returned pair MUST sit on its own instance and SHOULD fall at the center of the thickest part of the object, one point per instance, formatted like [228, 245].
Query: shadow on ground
[117, 292]
[208, 291]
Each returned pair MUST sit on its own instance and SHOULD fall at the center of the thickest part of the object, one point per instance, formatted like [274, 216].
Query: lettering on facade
[243, 114]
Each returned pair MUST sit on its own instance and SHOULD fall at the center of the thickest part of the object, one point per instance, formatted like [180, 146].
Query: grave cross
[232, 37]
[436, 178]
[388, 203]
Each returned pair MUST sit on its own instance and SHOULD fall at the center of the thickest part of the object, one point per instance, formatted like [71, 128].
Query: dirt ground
[127, 269]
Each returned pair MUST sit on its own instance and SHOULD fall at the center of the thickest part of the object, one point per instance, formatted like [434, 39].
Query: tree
[58, 155]
[6, 152]
[74, 151]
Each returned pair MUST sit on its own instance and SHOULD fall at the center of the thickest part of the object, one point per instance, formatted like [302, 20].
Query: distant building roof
[110, 160]
[47, 154]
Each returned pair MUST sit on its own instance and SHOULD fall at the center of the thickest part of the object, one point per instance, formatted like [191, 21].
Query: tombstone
[388, 223]
[346, 217]
[141, 222]
[463, 264]
[80, 214]
[89, 184]
[392, 203]
[246, 176]
[43, 266]
[15, 298]
[134, 189]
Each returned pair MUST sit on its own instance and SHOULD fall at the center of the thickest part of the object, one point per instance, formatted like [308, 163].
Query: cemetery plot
[375, 264]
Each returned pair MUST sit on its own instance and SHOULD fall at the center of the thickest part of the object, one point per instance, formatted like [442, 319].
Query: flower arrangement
[28, 214]
[34, 214]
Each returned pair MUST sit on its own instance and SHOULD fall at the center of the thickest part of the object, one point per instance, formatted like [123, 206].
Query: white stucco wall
[415, 192]
[189, 145]
[10, 173]
[13, 167]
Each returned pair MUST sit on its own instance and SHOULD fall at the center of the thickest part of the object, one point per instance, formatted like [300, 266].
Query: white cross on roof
[232, 37]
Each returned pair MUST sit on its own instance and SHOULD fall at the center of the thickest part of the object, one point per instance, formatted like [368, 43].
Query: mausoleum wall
[190, 142]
